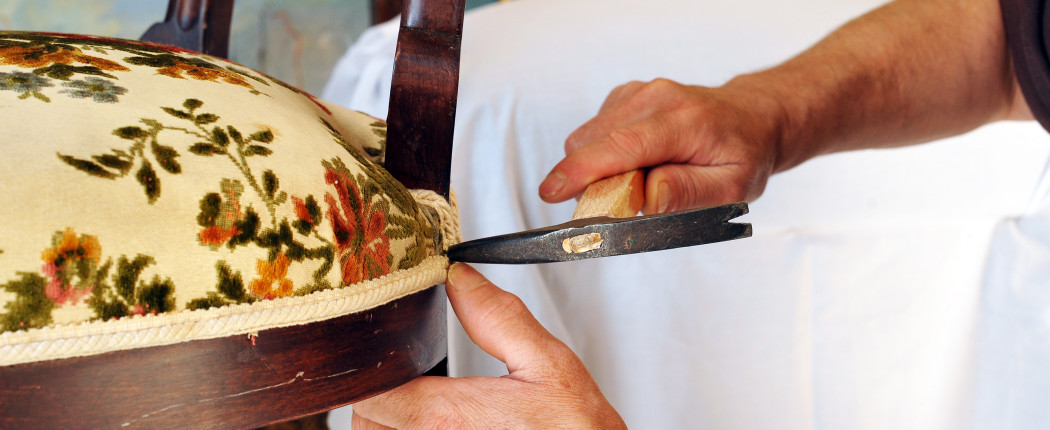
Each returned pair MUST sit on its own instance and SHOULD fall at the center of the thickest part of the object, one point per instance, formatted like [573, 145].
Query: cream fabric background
[42, 194]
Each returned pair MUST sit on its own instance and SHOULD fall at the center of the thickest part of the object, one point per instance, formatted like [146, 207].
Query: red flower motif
[220, 228]
[217, 235]
[301, 211]
[362, 245]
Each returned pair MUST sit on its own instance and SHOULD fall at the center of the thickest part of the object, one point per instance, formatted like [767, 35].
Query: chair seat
[153, 195]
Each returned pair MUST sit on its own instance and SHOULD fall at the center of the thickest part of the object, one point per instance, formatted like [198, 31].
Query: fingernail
[663, 197]
[552, 184]
[458, 275]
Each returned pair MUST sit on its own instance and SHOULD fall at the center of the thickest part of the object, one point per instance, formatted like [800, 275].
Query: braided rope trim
[99, 337]
[448, 211]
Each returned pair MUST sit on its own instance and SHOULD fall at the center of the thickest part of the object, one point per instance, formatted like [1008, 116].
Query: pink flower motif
[60, 292]
[138, 310]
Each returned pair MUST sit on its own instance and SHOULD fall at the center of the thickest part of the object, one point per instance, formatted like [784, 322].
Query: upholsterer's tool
[604, 225]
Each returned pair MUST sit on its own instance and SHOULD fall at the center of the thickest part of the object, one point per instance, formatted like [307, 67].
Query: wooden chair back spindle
[423, 93]
[197, 25]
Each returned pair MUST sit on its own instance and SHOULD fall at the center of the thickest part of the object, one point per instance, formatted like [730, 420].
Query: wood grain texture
[619, 196]
[232, 382]
[423, 94]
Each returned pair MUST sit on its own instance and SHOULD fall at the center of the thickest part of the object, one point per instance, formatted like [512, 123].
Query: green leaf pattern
[358, 208]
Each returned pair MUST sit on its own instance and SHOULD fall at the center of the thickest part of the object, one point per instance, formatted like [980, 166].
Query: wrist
[773, 123]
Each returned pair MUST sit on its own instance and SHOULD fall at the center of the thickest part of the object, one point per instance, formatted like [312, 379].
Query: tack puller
[604, 224]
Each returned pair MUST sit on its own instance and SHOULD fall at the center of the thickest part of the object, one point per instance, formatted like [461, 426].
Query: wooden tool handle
[619, 196]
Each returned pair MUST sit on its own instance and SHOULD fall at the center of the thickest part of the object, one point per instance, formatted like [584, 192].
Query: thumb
[498, 321]
[676, 187]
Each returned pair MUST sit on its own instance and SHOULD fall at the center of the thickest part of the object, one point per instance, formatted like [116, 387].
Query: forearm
[909, 72]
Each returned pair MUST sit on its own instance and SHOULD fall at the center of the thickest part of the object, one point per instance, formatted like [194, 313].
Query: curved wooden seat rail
[285, 373]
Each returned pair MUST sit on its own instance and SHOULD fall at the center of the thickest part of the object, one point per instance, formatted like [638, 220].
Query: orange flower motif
[273, 279]
[101, 63]
[68, 247]
[42, 56]
[68, 257]
[202, 73]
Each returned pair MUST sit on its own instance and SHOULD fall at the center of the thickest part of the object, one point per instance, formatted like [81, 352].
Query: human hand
[705, 146]
[547, 385]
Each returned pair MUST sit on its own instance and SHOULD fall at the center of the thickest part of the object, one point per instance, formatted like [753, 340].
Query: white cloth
[890, 289]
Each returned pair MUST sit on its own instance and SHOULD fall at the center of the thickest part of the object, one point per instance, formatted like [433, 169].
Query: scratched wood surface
[233, 382]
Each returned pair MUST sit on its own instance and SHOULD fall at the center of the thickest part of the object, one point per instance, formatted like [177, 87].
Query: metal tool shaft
[602, 237]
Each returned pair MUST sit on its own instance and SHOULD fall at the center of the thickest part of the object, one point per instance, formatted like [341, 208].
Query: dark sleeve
[1025, 22]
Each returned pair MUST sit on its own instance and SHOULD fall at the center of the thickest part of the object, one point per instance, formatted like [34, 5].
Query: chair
[273, 374]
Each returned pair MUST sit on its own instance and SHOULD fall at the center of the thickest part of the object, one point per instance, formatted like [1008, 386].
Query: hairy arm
[909, 72]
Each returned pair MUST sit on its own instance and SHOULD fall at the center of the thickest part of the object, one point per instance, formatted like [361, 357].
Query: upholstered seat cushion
[150, 192]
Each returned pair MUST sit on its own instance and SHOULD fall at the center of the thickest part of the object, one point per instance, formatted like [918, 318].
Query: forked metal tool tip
[603, 237]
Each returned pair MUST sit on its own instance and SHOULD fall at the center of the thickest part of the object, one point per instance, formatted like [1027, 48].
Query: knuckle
[501, 309]
[627, 142]
[734, 191]
[628, 87]
[574, 141]
[660, 86]
[619, 93]
[505, 307]
[737, 189]
[563, 357]
[560, 363]
[754, 183]
[662, 83]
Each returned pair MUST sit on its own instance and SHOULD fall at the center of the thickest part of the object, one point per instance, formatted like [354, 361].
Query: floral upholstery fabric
[140, 179]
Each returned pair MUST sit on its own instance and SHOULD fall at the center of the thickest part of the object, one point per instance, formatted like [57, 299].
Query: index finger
[648, 143]
[617, 110]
